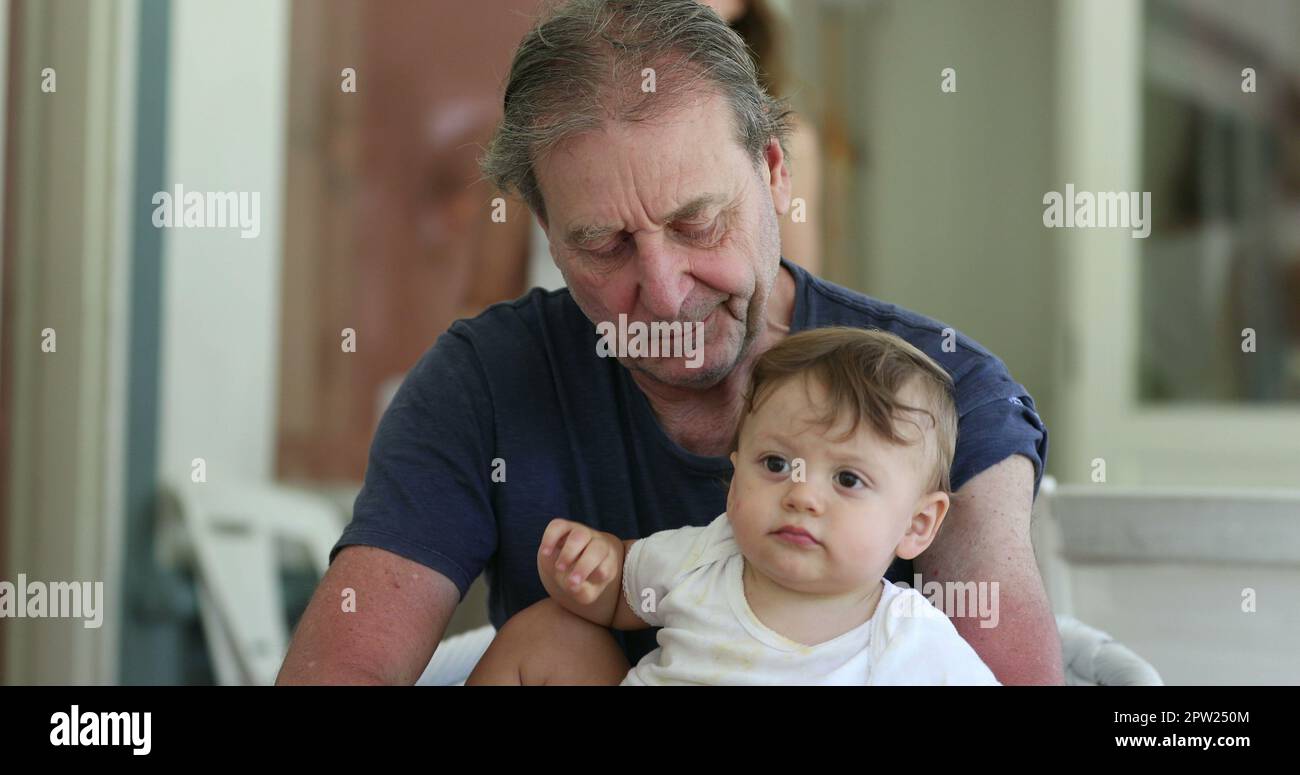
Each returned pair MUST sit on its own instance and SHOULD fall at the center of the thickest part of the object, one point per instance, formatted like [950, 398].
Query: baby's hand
[579, 560]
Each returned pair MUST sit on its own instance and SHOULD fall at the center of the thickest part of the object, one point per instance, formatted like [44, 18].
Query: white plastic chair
[455, 657]
[236, 538]
[1094, 658]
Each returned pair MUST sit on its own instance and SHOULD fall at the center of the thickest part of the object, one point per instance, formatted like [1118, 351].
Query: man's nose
[664, 281]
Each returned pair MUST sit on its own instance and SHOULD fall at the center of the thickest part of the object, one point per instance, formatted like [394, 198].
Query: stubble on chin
[751, 332]
[702, 378]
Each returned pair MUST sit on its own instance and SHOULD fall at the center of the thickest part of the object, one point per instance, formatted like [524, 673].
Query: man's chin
[705, 368]
[677, 372]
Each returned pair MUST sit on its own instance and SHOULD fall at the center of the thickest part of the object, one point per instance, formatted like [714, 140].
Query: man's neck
[703, 421]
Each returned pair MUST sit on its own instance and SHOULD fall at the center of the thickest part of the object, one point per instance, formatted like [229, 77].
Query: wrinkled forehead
[649, 168]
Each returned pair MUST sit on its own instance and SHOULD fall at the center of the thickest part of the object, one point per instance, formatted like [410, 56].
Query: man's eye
[848, 479]
[774, 464]
[609, 252]
[705, 233]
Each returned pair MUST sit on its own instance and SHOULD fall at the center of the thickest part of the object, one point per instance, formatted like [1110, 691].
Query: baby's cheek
[871, 547]
[743, 497]
[736, 494]
[735, 503]
[739, 512]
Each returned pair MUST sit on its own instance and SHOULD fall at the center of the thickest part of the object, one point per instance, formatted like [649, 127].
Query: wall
[221, 293]
[952, 184]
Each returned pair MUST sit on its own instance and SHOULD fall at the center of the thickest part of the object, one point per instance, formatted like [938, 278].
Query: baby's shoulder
[905, 610]
[919, 644]
[689, 548]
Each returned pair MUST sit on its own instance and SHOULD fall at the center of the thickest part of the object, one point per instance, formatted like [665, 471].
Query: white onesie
[688, 581]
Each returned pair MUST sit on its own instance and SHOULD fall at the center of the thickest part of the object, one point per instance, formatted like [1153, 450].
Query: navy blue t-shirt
[521, 391]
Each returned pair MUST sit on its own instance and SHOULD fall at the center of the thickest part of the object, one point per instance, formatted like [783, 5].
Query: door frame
[69, 256]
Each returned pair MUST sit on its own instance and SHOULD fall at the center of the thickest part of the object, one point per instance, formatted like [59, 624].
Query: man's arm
[402, 610]
[985, 538]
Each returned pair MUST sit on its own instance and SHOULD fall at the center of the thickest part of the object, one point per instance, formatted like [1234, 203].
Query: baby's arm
[625, 618]
[582, 569]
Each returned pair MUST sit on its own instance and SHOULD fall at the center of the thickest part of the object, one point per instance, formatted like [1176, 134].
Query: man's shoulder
[998, 417]
[970, 364]
[517, 341]
[537, 316]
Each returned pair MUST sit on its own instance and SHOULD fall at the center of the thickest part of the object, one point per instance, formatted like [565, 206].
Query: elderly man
[639, 136]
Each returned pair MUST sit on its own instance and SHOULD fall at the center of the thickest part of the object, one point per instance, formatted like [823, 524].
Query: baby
[841, 464]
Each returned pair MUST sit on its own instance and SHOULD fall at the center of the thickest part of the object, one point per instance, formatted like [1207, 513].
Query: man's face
[667, 221]
[856, 500]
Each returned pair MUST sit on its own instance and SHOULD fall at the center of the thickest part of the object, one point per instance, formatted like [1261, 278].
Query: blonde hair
[863, 371]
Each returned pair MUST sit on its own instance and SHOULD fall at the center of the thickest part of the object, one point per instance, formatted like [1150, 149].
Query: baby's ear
[927, 516]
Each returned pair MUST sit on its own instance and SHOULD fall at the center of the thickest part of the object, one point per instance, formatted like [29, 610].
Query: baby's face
[859, 499]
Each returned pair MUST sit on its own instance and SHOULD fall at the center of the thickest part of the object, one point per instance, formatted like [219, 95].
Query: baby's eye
[774, 464]
[848, 479]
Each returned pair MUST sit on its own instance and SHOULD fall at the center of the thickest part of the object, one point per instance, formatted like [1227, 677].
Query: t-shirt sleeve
[656, 563]
[425, 495]
[996, 419]
[921, 647]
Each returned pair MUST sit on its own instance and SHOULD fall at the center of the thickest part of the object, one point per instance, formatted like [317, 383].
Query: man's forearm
[1023, 649]
[387, 639]
[329, 673]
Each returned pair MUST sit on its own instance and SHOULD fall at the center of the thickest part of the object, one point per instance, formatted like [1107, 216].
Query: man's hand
[578, 566]
[985, 538]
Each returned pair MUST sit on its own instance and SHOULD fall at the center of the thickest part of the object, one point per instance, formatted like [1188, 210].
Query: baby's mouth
[795, 535]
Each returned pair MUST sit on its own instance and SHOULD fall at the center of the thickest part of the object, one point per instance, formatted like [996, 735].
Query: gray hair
[582, 66]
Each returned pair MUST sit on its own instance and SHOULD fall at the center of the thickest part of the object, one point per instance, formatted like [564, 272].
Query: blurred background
[196, 429]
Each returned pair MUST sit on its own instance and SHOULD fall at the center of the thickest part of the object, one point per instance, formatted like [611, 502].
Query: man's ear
[927, 516]
[776, 174]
